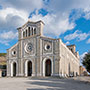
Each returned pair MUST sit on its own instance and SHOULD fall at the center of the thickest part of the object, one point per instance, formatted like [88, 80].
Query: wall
[69, 63]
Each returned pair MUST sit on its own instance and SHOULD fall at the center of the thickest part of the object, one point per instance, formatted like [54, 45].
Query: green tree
[2, 54]
[86, 61]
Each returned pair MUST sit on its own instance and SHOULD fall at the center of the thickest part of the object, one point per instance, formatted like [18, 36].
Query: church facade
[37, 55]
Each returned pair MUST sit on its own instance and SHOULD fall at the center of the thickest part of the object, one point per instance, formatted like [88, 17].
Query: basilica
[37, 55]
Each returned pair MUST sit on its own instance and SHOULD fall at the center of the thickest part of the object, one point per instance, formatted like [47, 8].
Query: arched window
[34, 31]
[28, 31]
[23, 34]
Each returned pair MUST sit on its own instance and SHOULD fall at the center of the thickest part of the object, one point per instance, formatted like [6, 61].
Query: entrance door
[14, 69]
[48, 68]
[29, 68]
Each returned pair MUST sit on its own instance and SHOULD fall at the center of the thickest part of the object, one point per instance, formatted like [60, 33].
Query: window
[47, 47]
[34, 31]
[28, 31]
[23, 34]
[14, 52]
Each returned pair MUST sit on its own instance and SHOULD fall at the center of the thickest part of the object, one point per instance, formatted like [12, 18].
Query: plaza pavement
[83, 78]
[40, 83]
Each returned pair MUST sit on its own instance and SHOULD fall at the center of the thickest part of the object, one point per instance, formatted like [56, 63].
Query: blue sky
[65, 19]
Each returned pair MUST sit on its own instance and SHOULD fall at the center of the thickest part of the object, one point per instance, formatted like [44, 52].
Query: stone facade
[36, 55]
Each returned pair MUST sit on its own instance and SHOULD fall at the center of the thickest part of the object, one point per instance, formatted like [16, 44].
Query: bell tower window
[23, 34]
[34, 31]
[28, 31]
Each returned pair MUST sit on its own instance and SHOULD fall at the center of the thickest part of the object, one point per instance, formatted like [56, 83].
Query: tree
[86, 61]
[2, 54]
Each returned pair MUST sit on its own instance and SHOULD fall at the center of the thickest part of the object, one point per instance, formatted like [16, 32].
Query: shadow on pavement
[55, 84]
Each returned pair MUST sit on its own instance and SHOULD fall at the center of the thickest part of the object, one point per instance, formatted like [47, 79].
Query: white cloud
[6, 42]
[54, 26]
[88, 41]
[11, 18]
[87, 15]
[67, 43]
[77, 35]
[14, 13]
[17, 11]
[58, 22]
[82, 56]
[6, 37]
[83, 36]
[26, 5]
[71, 36]
[63, 5]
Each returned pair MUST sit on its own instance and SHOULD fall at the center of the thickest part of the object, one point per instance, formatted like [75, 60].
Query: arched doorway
[29, 68]
[14, 69]
[48, 67]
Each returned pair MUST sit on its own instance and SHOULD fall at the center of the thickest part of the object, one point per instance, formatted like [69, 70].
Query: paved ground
[42, 84]
[82, 78]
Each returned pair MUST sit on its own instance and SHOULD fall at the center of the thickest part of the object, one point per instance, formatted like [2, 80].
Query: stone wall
[69, 63]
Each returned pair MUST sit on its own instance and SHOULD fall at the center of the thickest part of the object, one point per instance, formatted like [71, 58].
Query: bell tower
[31, 29]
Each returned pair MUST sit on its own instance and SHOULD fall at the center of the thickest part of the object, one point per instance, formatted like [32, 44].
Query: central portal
[48, 68]
[29, 68]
